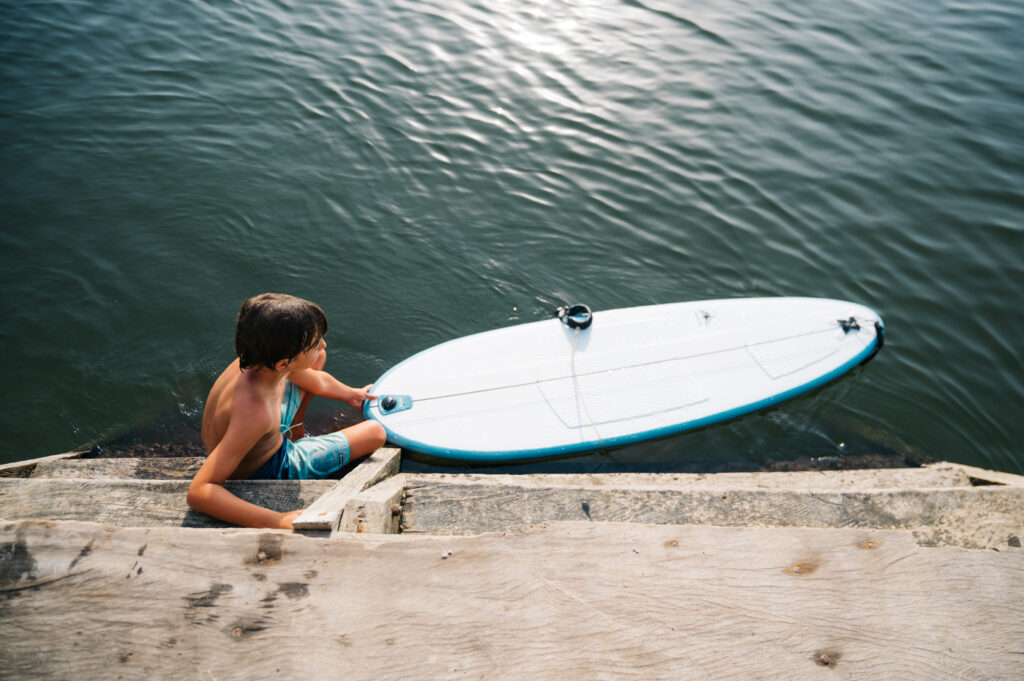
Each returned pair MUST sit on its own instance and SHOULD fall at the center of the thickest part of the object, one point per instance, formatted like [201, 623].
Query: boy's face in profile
[306, 359]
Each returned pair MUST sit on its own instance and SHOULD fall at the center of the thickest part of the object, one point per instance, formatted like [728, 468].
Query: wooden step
[155, 468]
[866, 478]
[25, 467]
[560, 602]
[348, 497]
[141, 503]
[975, 517]
[160, 468]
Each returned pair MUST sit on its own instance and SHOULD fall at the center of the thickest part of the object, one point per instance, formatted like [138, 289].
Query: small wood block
[377, 509]
[325, 512]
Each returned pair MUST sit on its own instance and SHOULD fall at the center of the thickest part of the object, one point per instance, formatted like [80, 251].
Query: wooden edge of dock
[559, 601]
[876, 574]
[23, 469]
[942, 504]
[981, 476]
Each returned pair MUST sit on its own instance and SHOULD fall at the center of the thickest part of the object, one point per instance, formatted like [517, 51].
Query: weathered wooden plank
[152, 468]
[938, 475]
[325, 513]
[377, 509]
[978, 517]
[567, 602]
[981, 475]
[141, 503]
[23, 469]
[868, 478]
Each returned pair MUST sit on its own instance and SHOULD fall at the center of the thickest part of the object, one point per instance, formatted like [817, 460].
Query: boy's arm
[207, 495]
[322, 384]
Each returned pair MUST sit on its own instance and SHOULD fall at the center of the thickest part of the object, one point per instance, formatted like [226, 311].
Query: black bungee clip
[848, 325]
[853, 324]
[576, 316]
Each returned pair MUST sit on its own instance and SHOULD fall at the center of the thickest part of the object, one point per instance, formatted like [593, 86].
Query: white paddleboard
[544, 389]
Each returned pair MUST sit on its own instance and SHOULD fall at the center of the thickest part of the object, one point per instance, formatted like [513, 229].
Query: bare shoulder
[250, 411]
[232, 404]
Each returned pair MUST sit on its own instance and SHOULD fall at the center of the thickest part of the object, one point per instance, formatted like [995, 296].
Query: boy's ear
[281, 364]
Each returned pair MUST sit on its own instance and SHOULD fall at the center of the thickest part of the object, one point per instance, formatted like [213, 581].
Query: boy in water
[252, 424]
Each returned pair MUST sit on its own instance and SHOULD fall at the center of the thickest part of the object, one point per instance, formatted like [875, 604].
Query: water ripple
[431, 169]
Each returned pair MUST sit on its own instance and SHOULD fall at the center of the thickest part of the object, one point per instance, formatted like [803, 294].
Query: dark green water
[426, 170]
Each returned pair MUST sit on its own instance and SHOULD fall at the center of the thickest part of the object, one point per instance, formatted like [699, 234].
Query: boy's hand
[285, 523]
[360, 395]
[323, 384]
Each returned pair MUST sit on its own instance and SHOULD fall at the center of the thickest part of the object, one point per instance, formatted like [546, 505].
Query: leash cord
[579, 393]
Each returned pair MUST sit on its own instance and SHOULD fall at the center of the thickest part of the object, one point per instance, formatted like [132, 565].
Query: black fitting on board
[576, 316]
[880, 338]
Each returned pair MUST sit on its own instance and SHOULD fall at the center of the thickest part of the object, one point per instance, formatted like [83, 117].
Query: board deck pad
[542, 389]
[784, 345]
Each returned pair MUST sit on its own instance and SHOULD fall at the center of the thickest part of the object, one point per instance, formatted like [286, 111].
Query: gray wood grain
[150, 468]
[376, 509]
[141, 503]
[325, 513]
[940, 475]
[973, 517]
[25, 468]
[565, 602]
[981, 476]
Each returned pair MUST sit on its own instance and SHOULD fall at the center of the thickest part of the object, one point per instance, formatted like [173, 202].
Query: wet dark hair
[275, 326]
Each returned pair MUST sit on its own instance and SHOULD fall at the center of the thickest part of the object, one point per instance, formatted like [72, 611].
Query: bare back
[229, 391]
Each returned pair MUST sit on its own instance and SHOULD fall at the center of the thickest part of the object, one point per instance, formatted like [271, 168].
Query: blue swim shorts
[307, 458]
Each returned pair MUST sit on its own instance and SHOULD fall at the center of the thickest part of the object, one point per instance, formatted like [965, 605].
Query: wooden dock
[874, 574]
